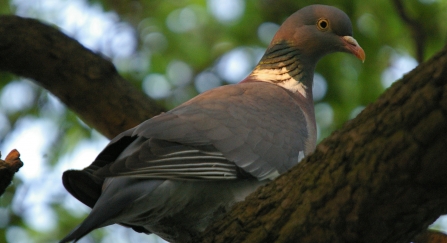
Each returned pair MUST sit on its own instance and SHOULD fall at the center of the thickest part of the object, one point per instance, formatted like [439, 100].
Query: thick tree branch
[87, 83]
[380, 178]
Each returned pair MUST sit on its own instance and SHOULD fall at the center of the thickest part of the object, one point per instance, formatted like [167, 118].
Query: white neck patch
[280, 77]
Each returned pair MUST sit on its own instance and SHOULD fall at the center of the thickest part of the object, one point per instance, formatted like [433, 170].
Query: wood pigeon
[175, 173]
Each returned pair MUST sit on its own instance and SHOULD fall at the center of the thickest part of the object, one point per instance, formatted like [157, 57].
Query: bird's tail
[112, 201]
[118, 194]
[100, 216]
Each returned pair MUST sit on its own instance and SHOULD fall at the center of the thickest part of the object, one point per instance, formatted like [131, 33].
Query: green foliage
[165, 34]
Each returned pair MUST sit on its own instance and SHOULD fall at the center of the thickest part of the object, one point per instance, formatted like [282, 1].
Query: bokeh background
[174, 50]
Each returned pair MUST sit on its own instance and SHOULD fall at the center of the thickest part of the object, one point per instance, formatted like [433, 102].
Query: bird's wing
[256, 128]
[156, 158]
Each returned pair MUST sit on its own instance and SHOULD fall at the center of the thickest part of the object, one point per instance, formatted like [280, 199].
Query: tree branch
[8, 168]
[87, 83]
[380, 178]
[416, 28]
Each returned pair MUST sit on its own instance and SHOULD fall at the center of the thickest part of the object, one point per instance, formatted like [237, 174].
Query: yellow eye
[323, 24]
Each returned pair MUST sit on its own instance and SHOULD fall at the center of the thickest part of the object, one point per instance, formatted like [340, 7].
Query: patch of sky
[226, 11]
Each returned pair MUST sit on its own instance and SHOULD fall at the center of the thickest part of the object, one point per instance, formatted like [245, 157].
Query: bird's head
[318, 30]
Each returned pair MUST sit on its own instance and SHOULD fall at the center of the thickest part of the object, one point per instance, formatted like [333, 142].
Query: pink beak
[353, 47]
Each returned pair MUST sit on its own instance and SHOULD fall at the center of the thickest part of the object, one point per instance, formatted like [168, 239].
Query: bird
[176, 173]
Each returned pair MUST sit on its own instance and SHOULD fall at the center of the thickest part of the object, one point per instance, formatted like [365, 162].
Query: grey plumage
[239, 123]
[174, 174]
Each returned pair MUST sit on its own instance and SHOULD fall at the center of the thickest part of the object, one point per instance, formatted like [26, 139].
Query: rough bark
[8, 168]
[380, 178]
[86, 82]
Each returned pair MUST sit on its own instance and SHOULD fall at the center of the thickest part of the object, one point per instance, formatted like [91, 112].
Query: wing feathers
[163, 159]
[252, 128]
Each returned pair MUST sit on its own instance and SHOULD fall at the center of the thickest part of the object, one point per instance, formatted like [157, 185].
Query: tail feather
[77, 233]
[101, 215]
[118, 194]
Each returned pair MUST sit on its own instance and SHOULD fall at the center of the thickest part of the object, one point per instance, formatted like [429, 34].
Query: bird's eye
[323, 24]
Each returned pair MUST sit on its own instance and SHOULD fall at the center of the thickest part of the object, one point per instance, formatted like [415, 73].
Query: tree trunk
[381, 178]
